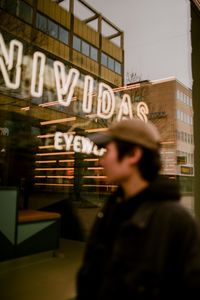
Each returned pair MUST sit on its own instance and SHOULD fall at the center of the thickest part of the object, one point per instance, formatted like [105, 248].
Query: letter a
[125, 108]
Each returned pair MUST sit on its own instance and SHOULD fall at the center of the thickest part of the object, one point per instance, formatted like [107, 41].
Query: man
[144, 244]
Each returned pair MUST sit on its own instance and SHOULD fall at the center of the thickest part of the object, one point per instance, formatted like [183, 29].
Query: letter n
[9, 59]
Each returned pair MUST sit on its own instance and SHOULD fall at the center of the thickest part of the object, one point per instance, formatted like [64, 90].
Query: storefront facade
[61, 79]
[54, 72]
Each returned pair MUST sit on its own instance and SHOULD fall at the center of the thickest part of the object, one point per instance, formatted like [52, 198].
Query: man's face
[115, 170]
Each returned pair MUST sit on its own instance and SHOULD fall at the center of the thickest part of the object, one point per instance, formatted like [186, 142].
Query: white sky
[157, 36]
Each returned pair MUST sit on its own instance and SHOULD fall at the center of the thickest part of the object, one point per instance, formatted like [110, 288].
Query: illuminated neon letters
[65, 83]
[76, 143]
[7, 62]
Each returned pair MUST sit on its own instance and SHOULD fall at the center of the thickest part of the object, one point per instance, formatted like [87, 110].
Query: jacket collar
[160, 191]
[142, 216]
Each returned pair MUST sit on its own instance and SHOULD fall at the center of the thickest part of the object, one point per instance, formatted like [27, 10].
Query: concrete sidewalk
[42, 276]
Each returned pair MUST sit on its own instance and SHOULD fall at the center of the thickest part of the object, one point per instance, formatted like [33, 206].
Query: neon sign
[103, 103]
[78, 143]
[11, 59]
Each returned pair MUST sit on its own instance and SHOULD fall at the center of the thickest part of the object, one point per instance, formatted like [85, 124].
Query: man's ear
[136, 155]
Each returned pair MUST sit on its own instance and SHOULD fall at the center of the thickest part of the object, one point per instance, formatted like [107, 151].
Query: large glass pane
[111, 63]
[52, 29]
[104, 59]
[77, 43]
[25, 12]
[93, 53]
[118, 67]
[10, 6]
[41, 22]
[63, 35]
[85, 48]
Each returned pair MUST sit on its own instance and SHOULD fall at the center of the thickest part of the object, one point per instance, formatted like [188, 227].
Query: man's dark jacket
[147, 247]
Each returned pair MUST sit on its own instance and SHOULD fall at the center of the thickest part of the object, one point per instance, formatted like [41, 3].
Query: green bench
[25, 232]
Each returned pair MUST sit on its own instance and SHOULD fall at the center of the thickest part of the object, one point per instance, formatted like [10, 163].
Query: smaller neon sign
[76, 143]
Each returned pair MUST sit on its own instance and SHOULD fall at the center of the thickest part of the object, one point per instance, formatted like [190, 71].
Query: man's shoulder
[174, 208]
[177, 217]
[164, 212]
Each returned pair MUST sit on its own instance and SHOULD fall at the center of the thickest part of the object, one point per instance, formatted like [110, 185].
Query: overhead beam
[110, 37]
[88, 20]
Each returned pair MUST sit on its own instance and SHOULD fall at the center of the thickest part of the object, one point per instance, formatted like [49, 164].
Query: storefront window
[28, 124]
[44, 149]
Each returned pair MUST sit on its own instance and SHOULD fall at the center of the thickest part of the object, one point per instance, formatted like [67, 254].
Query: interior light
[95, 168]
[54, 153]
[58, 121]
[53, 169]
[45, 161]
[95, 177]
[96, 129]
[54, 184]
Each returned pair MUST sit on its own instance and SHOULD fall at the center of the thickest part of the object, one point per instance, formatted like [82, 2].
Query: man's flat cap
[133, 131]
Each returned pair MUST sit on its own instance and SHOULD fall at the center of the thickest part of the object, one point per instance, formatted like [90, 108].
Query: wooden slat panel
[25, 216]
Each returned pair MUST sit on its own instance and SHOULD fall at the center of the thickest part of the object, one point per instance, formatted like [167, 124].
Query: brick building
[170, 108]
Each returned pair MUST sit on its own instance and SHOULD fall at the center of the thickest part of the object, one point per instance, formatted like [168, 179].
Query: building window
[9, 5]
[76, 43]
[177, 94]
[178, 114]
[104, 59]
[93, 53]
[185, 137]
[63, 35]
[19, 8]
[85, 48]
[182, 136]
[25, 12]
[41, 22]
[52, 29]
[189, 138]
[118, 67]
[178, 135]
[111, 63]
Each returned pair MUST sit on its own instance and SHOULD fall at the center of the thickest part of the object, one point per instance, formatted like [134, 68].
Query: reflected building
[61, 77]
[170, 109]
[54, 66]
